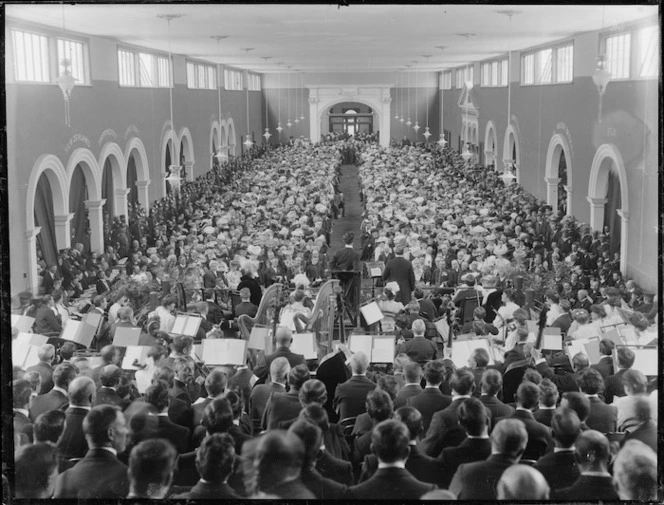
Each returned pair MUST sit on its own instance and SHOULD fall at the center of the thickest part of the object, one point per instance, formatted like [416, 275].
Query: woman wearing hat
[582, 327]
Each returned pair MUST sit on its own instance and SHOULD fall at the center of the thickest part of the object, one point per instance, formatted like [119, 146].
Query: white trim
[169, 135]
[91, 171]
[507, 152]
[551, 170]
[232, 137]
[491, 129]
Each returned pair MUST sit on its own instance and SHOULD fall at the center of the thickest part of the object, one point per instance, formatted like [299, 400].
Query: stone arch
[111, 152]
[223, 133]
[511, 143]
[136, 149]
[215, 138]
[490, 139]
[91, 171]
[374, 108]
[232, 137]
[597, 192]
[169, 139]
[558, 145]
[187, 152]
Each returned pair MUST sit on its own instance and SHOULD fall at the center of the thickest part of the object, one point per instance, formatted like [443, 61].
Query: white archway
[52, 168]
[136, 149]
[215, 139]
[169, 141]
[510, 144]
[187, 151]
[598, 185]
[324, 113]
[490, 145]
[112, 152]
[232, 138]
[558, 146]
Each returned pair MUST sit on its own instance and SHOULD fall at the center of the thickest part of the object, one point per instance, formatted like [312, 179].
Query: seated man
[413, 374]
[522, 482]
[559, 467]
[548, 398]
[110, 379]
[646, 430]
[350, 396]
[418, 349]
[379, 407]
[35, 471]
[284, 406]
[151, 465]
[245, 306]
[602, 417]
[390, 443]
[635, 472]
[81, 397]
[635, 385]
[57, 397]
[431, 400]
[260, 394]
[21, 399]
[49, 427]
[539, 435]
[283, 338]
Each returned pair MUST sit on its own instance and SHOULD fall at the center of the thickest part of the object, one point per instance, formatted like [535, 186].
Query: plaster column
[552, 191]
[121, 208]
[624, 227]
[32, 281]
[63, 231]
[314, 120]
[568, 190]
[189, 170]
[95, 211]
[597, 212]
[143, 198]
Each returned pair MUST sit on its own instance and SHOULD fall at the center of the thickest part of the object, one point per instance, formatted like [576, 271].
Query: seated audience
[635, 473]
[35, 471]
[260, 394]
[57, 397]
[602, 417]
[491, 384]
[413, 375]
[108, 393]
[431, 399]
[548, 398]
[349, 398]
[635, 385]
[559, 467]
[150, 472]
[215, 386]
[285, 406]
[81, 397]
[157, 399]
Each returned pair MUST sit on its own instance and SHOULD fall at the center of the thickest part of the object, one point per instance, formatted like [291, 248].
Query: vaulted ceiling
[328, 38]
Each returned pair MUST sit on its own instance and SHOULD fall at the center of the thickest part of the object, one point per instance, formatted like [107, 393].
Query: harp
[265, 317]
[321, 322]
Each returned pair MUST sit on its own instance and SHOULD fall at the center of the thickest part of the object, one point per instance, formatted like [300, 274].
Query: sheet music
[196, 352]
[32, 357]
[628, 334]
[20, 350]
[363, 343]
[22, 323]
[614, 336]
[224, 351]
[304, 343]
[382, 350]
[126, 337]
[443, 328]
[552, 342]
[85, 334]
[144, 379]
[371, 313]
[257, 337]
[31, 338]
[462, 351]
[587, 346]
[375, 272]
[645, 360]
[134, 353]
[71, 330]
[179, 324]
[191, 328]
[93, 319]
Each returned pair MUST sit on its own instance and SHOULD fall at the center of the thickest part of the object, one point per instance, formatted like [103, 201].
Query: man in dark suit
[539, 436]
[466, 290]
[431, 400]
[278, 460]
[260, 394]
[179, 411]
[183, 386]
[559, 467]
[110, 378]
[646, 430]
[379, 408]
[151, 466]
[400, 270]
[49, 278]
[46, 355]
[492, 383]
[99, 475]
[445, 430]
[413, 374]
[110, 356]
[477, 481]
[215, 385]
[102, 285]
[57, 396]
[427, 307]
[613, 385]
[390, 443]
[548, 398]
[157, 396]
[245, 306]
[21, 392]
[567, 381]
[342, 265]
[592, 454]
[418, 348]
[283, 338]
[564, 320]
[81, 396]
[215, 460]
[474, 419]
[215, 315]
[602, 417]
[605, 364]
[285, 406]
[312, 438]
[349, 397]
[333, 371]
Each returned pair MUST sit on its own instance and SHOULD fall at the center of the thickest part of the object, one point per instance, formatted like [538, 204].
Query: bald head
[283, 336]
[279, 369]
[509, 437]
[592, 451]
[359, 363]
[580, 362]
[82, 391]
[522, 482]
[110, 376]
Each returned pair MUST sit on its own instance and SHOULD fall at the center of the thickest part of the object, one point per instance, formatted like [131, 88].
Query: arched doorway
[511, 151]
[132, 177]
[78, 195]
[44, 216]
[558, 174]
[349, 118]
[108, 193]
[186, 159]
[169, 156]
[139, 179]
[232, 140]
[490, 146]
[609, 200]
[562, 183]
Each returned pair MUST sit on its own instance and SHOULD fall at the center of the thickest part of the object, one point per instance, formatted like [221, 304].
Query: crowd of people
[531, 426]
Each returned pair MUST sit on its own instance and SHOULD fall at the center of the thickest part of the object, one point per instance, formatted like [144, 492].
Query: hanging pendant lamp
[267, 133]
[396, 112]
[409, 122]
[289, 124]
[302, 88]
[417, 123]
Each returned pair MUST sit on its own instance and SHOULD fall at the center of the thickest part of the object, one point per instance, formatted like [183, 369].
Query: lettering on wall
[131, 130]
[107, 133]
[77, 137]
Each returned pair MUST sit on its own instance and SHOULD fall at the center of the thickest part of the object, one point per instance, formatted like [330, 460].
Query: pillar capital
[63, 220]
[552, 180]
[32, 234]
[143, 184]
[624, 216]
[95, 205]
[596, 202]
[122, 191]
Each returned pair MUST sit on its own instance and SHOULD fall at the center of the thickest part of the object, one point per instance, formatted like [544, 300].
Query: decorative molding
[313, 100]
[350, 92]
[32, 234]
[107, 133]
[131, 130]
[94, 205]
[77, 137]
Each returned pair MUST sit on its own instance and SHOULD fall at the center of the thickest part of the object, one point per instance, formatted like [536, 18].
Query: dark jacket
[420, 466]
[539, 436]
[406, 392]
[559, 469]
[444, 430]
[260, 396]
[23, 426]
[604, 366]
[390, 484]
[419, 349]
[291, 490]
[73, 444]
[646, 433]
[52, 400]
[108, 396]
[588, 487]
[498, 409]
[98, 475]
[613, 386]
[281, 407]
[350, 396]
[428, 402]
[332, 372]
[241, 382]
[46, 373]
[263, 368]
[338, 470]
[565, 382]
[178, 435]
[254, 288]
[603, 417]
[544, 416]
[323, 488]
[477, 481]
[208, 491]
[469, 451]
[400, 270]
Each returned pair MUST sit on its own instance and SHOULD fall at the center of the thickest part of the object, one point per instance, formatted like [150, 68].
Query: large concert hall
[344, 251]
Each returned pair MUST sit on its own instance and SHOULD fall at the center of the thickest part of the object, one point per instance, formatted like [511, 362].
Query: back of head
[379, 405]
[283, 336]
[473, 417]
[215, 457]
[216, 382]
[359, 363]
[21, 392]
[592, 450]
[97, 422]
[463, 381]
[480, 357]
[349, 237]
[412, 372]
[278, 457]
[548, 393]
[125, 313]
[590, 381]
[635, 382]
[626, 357]
[236, 400]
[108, 353]
[565, 426]
[163, 374]
[399, 361]
[298, 375]
[35, 469]
[63, 374]
[182, 343]
[606, 346]
[157, 395]
[418, 327]
[509, 437]
[412, 418]
[522, 482]
[580, 362]
[82, 391]
[311, 437]
[389, 384]
[218, 416]
[110, 376]
[279, 369]
[313, 391]
[520, 315]
[67, 350]
[389, 441]
[492, 382]
[532, 375]
[434, 372]
[579, 403]
[46, 353]
[635, 472]
[151, 465]
[49, 426]
[317, 414]
[527, 395]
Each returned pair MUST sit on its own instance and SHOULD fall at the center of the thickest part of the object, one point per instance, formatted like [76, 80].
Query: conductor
[345, 263]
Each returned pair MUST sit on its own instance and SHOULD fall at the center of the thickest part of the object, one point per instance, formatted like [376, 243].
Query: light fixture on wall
[248, 143]
[509, 165]
[396, 111]
[297, 118]
[409, 122]
[427, 133]
[466, 154]
[221, 155]
[417, 106]
[267, 133]
[289, 124]
[66, 80]
[601, 75]
[279, 127]
[175, 170]
[442, 142]
[302, 88]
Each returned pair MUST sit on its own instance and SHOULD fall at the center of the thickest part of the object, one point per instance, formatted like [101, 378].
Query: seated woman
[581, 326]
[389, 307]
